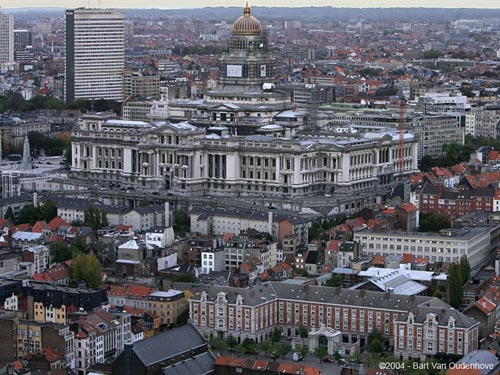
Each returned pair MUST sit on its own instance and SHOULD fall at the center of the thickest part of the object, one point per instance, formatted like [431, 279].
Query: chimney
[270, 222]
[35, 199]
[167, 214]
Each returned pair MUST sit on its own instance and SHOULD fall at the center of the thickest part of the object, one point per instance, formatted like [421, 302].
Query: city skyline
[478, 4]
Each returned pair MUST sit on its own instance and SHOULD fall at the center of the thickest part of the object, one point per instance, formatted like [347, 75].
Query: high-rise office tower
[6, 38]
[95, 54]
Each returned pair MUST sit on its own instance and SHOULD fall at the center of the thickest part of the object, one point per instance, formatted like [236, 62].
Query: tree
[283, 349]
[182, 318]
[86, 267]
[217, 344]
[433, 222]
[95, 218]
[231, 342]
[335, 281]
[455, 286]
[59, 252]
[249, 346]
[9, 215]
[464, 269]
[320, 352]
[182, 223]
[48, 211]
[28, 214]
[432, 54]
[265, 346]
[375, 340]
[276, 335]
[302, 350]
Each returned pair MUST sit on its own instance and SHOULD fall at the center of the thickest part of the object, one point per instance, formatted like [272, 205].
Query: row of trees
[455, 153]
[31, 214]
[14, 101]
[43, 144]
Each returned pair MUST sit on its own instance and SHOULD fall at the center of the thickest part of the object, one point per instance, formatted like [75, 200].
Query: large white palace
[243, 138]
[192, 161]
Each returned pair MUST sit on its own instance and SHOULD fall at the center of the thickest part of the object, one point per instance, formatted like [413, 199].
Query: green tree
[182, 223]
[320, 352]
[375, 340]
[335, 281]
[28, 214]
[455, 286]
[433, 222]
[249, 346]
[48, 211]
[86, 267]
[303, 350]
[9, 215]
[78, 245]
[95, 218]
[303, 333]
[283, 349]
[464, 269]
[217, 344]
[265, 346]
[182, 318]
[231, 342]
[432, 54]
[276, 335]
[59, 252]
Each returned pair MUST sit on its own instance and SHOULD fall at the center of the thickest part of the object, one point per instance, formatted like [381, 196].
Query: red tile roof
[379, 260]
[56, 223]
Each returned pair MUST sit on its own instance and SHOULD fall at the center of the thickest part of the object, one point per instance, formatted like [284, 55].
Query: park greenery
[455, 153]
[14, 101]
[30, 214]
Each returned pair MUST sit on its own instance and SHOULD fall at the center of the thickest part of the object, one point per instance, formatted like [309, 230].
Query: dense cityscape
[250, 191]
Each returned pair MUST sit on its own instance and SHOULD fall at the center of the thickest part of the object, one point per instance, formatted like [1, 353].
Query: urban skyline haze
[485, 4]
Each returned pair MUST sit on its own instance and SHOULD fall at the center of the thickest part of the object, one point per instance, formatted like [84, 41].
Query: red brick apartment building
[254, 312]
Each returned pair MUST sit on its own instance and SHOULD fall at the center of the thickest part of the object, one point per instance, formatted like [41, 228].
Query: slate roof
[169, 344]
[198, 365]
[443, 312]
[206, 212]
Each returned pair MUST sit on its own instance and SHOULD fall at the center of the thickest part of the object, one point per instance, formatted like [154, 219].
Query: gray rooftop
[199, 365]
[267, 291]
[169, 344]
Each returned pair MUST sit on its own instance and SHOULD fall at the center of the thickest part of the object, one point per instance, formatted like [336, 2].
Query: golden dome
[246, 24]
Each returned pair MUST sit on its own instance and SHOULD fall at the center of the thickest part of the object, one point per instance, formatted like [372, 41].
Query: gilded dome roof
[246, 24]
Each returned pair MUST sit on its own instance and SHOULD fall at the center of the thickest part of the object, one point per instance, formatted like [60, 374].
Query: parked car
[296, 356]
[342, 361]
[328, 360]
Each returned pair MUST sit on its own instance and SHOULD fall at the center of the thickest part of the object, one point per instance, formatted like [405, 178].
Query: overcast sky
[260, 3]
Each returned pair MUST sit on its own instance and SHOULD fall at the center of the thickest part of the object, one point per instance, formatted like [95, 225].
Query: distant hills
[305, 13]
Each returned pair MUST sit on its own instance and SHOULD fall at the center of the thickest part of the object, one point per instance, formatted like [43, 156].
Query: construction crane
[402, 112]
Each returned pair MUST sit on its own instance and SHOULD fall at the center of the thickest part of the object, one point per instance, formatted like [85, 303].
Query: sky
[259, 3]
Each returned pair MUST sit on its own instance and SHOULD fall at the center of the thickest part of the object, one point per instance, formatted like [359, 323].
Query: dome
[246, 24]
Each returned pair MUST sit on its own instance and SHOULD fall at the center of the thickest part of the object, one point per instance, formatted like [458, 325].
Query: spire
[26, 163]
[246, 10]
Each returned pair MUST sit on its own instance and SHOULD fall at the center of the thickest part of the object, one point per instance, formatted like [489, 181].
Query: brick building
[254, 312]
